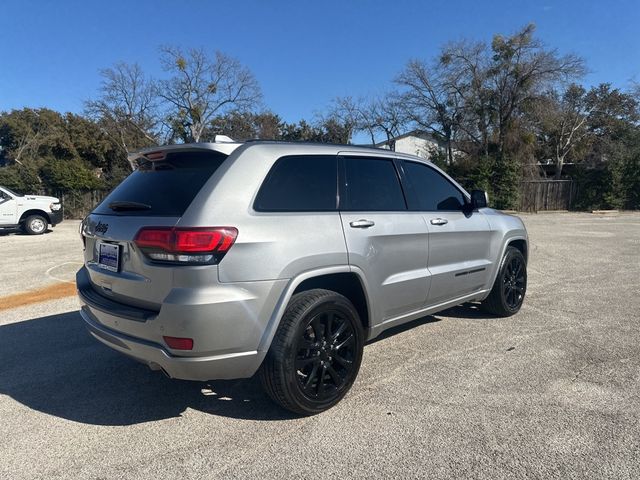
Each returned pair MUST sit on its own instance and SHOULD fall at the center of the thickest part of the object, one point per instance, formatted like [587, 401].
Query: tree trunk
[195, 134]
[559, 165]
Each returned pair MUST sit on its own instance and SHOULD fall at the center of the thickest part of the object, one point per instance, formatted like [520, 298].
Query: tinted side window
[166, 186]
[372, 184]
[433, 191]
[300, 184]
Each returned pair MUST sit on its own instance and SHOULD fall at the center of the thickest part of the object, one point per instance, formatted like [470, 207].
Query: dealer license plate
[109, 257]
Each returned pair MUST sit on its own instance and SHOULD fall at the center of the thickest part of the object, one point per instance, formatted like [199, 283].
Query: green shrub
[69, 175]
[20, 179]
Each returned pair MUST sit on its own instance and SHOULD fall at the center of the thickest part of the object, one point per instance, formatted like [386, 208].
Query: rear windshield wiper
[120, 206]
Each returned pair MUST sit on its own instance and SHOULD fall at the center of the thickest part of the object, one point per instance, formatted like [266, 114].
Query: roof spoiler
[222, 144]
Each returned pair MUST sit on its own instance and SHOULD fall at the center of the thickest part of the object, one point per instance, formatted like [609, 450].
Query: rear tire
[510, 287]
[35, 225]
[316, 353]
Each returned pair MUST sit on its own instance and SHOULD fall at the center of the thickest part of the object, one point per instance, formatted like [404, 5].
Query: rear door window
[163, 188]
[300, 183]
[433, 192]
[371, 184]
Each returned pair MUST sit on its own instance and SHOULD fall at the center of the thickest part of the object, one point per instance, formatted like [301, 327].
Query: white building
[416, 142]
[420, 143]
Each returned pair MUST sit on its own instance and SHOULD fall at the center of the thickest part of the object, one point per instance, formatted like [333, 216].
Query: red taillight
[178, 343]
[198, 241]
[155, 238]
[186, 245]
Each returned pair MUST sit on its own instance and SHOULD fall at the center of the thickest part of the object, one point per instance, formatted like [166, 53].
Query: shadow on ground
[403, 328]
[470, 311]
[17, 231]
[51, 364]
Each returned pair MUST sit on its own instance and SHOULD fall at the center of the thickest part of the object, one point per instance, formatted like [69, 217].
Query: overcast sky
[303, 53]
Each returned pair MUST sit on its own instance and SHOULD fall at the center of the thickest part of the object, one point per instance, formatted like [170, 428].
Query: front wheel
[35, 225]
[316, 353]
[509, 289]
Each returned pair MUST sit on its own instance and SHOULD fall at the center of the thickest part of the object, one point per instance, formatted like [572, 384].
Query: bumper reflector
[177, 343]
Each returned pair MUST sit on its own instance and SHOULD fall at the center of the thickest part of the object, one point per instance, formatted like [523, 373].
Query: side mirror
[479, 199]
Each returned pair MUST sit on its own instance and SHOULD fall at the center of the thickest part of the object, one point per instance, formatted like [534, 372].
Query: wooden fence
[537, 195]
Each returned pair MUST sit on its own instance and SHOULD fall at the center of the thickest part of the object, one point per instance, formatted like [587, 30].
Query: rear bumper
[227, 323]
[233, 365]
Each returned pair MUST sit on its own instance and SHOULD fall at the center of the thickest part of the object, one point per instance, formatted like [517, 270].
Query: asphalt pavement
[552, 392]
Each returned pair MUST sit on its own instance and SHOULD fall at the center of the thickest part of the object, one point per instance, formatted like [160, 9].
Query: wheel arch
[347, 284]
[519, 241]
[341, 279]
[520, 244]
[34, 211]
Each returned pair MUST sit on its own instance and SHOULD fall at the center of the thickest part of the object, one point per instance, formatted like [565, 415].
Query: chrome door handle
[362, 223]
[439, 221]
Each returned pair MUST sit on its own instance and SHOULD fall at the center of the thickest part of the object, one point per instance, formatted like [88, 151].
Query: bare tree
[431, 100]
[563, 122]
[372, 116]
[521, 69]
[386, 115]
[127, 106]
[463, 73]
[202, 88]
[348, 112]
[475, 91]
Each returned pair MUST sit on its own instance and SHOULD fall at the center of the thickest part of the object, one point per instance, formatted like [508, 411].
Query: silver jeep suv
[220, 260]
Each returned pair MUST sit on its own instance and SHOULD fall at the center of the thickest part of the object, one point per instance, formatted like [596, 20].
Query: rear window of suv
[162, 188]
[372, 184]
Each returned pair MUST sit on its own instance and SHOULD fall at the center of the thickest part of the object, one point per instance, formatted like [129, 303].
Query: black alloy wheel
[514, 282]
[325, 357]
[510, 287]
[315, 354]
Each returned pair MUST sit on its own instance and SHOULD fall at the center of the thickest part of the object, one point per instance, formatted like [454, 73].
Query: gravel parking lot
[553, 392]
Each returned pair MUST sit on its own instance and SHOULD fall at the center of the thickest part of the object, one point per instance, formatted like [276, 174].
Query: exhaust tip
[156, 367]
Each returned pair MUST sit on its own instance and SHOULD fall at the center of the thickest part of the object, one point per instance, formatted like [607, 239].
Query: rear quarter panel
[269, 246]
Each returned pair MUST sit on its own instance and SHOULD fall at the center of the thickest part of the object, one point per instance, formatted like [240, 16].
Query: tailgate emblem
[101, 227]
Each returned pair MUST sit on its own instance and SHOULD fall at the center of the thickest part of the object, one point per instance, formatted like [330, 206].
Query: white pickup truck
[32, 213]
